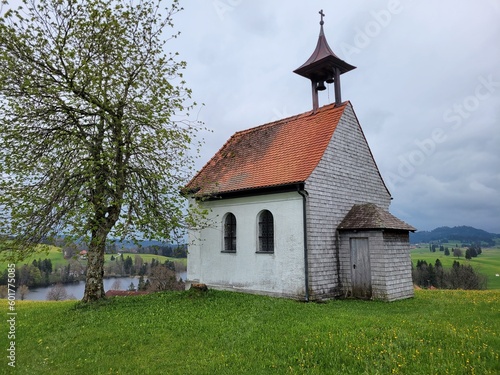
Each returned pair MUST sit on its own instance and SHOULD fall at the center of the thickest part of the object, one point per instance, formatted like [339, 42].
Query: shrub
[163, 278]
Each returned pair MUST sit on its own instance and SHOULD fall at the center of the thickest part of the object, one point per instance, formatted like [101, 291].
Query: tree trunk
[94, 285]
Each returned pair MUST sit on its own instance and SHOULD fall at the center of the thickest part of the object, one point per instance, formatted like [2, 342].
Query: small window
[230, 232]
[266, 232]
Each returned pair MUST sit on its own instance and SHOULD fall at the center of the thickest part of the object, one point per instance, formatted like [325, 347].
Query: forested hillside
[464, 234]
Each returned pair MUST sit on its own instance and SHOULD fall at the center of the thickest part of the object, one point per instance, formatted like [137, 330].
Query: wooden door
[361, 280]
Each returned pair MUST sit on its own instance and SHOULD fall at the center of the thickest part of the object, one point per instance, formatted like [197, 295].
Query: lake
[77, 289]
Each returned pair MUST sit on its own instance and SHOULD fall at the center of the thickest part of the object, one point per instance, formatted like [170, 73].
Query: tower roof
[322, 61]
[323, 66]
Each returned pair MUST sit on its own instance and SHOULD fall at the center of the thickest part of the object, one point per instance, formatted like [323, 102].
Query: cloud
[426, 89]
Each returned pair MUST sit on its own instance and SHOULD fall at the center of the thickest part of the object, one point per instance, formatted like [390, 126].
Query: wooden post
[314, 84]
[336, 80]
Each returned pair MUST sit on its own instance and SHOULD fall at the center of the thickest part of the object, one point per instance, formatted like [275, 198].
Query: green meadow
[46, 252]
[437, 332]
[487, 263]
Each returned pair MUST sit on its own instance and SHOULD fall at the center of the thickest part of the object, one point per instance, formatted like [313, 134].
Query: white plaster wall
[280, 273]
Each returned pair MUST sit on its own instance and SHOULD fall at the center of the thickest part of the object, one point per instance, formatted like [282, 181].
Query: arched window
[230, 232]
[266, 232]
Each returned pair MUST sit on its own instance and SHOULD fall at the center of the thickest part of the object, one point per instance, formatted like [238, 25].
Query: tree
[141, 285]
[69, 249]
[29, 275]
[478, 248]
[468, 255]
[464, 277]
[127, 265]
[23, 291]
[94, 130]
[457, 252]
[4, 291]
[163, 278]
[116, 285]
[420, 273]
[131, 287]
[439, 272]
[57, 293]
[474, 250]
[431, 274]
[138, 263]
[47, 264]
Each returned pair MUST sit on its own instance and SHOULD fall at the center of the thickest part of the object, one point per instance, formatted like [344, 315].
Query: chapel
[298, 207]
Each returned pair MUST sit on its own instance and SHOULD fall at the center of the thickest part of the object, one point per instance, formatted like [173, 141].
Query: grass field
[437, 332]
[488, 263]
[54, 254]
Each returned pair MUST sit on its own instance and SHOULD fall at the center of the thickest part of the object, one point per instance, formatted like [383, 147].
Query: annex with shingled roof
[298, 207]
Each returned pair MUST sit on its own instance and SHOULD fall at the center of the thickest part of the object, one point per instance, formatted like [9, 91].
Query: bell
[329, 79]
[321, 86]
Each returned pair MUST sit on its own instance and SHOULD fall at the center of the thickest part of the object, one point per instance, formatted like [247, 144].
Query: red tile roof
[280, 153]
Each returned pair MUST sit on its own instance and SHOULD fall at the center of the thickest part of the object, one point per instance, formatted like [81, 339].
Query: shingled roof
[280, 153]
[370, 216]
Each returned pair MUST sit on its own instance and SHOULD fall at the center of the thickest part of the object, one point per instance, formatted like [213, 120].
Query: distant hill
[127, 244]
[130, 244]
[447, 234]
[150, 247]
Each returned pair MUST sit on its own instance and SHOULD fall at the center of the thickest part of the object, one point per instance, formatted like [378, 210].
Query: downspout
[306, 262]
[337, 260]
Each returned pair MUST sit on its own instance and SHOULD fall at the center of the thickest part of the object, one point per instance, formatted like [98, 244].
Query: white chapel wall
[280, 273]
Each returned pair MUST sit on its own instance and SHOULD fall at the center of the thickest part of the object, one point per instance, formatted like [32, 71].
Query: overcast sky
[426, 89]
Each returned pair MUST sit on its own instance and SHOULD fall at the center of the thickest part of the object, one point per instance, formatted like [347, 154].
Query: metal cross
[322, 15]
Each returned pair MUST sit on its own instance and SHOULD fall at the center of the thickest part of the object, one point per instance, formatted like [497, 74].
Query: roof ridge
[290, 118]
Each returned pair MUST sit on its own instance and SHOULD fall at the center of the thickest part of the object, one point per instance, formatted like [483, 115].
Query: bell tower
[323, 66]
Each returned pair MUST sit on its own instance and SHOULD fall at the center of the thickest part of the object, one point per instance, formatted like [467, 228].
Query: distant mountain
[131, 245]
[447, 234]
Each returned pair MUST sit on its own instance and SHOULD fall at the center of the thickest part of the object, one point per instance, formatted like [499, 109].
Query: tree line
[126, 266]
[72, 248]
[459, 276]
[472, 251]
[172, 251]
